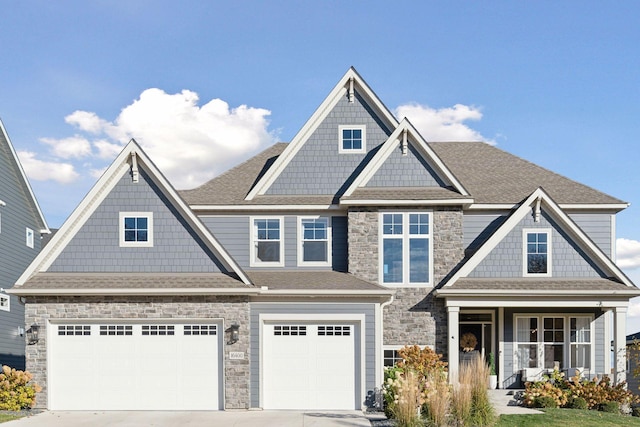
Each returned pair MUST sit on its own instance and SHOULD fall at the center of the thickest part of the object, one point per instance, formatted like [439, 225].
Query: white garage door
[309, 366]
[118, 366]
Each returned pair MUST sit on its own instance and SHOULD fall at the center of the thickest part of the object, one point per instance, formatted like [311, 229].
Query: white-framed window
[314, 241]
[405, 248]
[536, 252]
[267, 245]
[29, 237]
[352, 139]
[545, 341]
[390, 354]
[5, 302]
[136, 229]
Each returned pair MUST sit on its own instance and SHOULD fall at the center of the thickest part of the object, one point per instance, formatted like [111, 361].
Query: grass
[568, 418]
[8, 417]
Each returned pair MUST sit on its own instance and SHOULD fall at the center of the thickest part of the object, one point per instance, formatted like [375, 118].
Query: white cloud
[107, 150]
[628, 253]
[67, 148]
[444, 124]
[86, 121]
[39, 170]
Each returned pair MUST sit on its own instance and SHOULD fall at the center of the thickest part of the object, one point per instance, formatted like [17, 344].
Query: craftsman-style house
[291, 280]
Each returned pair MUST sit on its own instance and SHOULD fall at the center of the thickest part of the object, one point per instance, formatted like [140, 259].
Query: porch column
[454, 346]
[500, 347]
[620, 343]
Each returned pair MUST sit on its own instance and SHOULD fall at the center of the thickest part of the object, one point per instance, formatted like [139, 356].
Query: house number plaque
[236, 355]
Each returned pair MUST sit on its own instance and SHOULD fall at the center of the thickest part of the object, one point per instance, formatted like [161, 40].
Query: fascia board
[325, 292]
[541, 302]
[379, 202]
[529, 292]
[134, 291]
[43, 224]
[564, 206]
[311, 125]
[199, 208]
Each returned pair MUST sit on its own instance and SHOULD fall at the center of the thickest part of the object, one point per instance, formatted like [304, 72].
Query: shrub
[613, 407]
[578, 403]
[409, 399]
[545, 388]
[15, 391]
[545, 402]
[471, 404]
[636, 411]
[597, 391]
[437, 398]
[423, 361]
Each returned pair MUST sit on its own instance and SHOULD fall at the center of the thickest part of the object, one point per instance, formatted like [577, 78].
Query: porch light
[32, 334]
[233, 333]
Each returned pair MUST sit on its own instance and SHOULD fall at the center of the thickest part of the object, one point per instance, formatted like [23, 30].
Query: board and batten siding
[338, 309]
[234, 233]
[96, 246]
[17, 214]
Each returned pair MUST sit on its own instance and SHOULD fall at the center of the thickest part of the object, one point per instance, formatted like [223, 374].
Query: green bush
[15, 391]
[636, 411]
[612, 407]
[578, 403]
[545, 402]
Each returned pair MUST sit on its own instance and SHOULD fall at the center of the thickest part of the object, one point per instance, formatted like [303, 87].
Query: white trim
[358, 320]
[525, 251]
[390, 145]
[562, 219]
[101, 190]
[362, 149]
[565, 206]
[29, 237]
[135, 244]
[405, 238]
[501, 366]
[265, 208]
[560, 302]
[45, 227]
[614, 249]
[253, 242]
[566, 328]
[380, 202]
[338, 92]
[301, 240]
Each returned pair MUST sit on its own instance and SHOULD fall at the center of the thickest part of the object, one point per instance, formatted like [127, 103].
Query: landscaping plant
[15, 391]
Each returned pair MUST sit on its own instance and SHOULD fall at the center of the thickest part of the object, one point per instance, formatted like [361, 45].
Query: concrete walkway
[194, 419]
[504, 403]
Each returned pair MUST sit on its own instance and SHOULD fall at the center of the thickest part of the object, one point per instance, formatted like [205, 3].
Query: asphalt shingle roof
[316, 280]
[540, 284]
[489, 174]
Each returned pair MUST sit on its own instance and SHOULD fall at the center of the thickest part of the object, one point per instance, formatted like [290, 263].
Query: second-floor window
[267, 246]
[405, 248]
[537, 252]
[352, 139]
[315, 241]
[136, 229]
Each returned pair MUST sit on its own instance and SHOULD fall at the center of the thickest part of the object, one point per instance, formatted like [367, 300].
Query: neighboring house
[289, 281]
[21, 226]
[633, 357]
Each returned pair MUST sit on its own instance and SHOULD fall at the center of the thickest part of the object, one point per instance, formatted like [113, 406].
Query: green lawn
[568, 418]
[8, 417]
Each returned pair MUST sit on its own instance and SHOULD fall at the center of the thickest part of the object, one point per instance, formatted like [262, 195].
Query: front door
[476, 334]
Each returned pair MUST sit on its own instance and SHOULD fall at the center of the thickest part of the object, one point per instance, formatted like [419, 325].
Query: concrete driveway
[193, 419]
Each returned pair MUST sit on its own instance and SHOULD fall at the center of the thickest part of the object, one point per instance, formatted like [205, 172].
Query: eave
[402, 202]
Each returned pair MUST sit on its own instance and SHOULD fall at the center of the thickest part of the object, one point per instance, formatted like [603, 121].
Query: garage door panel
[308, 366]
[134, 367]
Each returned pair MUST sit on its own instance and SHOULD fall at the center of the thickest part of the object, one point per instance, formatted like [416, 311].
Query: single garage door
[130, 366]
[309, 366]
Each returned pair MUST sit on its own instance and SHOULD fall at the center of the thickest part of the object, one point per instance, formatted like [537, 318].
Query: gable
[306, 173]
[405, 170]
[96, 245]
[506, 260]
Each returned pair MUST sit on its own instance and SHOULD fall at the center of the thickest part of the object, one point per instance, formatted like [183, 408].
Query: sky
[203, 86]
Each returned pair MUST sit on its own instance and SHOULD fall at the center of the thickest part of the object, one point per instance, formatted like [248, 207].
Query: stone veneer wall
[415, 316]
[230, 308]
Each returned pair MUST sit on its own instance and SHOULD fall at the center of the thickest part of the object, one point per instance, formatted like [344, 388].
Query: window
[352, 139]
[158, 330]
[74, 330]
[136, 229]
[5, 302]
[266, 246]
[545, 342]
[200, 330]
[405, 248]
[325, 331]
[391, 357]
[30, 238]
[537, 252]
[285, 330]
[116, 330]
[315, 241]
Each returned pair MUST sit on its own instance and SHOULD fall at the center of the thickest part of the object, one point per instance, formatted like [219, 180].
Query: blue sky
[556, 83]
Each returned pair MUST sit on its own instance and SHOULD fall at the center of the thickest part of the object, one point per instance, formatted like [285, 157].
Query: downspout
[380, 358]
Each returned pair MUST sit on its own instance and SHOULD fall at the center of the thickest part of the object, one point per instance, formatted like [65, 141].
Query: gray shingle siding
[233, 232]
[15, 256]
[308, 172]
[506, 259]
[96, 246]
[283, 308]
[598, 227]
[408, 170]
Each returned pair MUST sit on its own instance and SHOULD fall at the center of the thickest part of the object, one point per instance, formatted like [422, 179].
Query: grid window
[158, 330]
[267, 240]
[116, 330]
[200, 330]
[406, 250]
[136, 229]
[391, 357]
[351, 139]
[537, 253]
[5, 302]
[74, 329]
[315, 240]
[289, 330]
[334, 330]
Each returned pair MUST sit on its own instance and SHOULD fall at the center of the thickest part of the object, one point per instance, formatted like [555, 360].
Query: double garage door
[309, 366]
[131, 366]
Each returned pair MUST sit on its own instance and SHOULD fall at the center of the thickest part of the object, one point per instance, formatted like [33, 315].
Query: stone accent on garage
[230, 309]
[415, 316]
